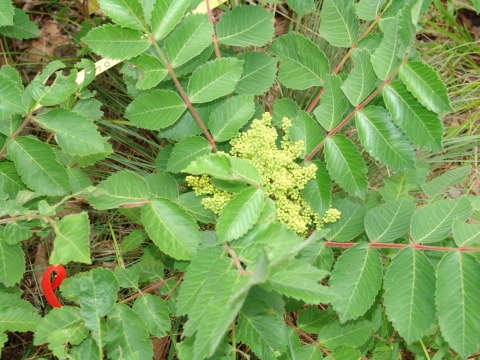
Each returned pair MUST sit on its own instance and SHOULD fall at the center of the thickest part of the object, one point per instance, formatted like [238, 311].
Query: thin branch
[236, 260]
[184, 96]
[151, 288]
[401, 246]
[212, 21]
[352, 114]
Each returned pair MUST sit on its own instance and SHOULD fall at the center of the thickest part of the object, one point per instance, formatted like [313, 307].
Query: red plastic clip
[48, 287]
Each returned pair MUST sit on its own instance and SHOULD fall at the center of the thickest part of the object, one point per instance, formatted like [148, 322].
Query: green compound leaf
[89, 108]
[193, 205]
[123, 187]
[313, 320]
[230, 116]
[319, 255]
[214, 79]
[186, 151]
[155, 110]
[302, 63]
[465, 234]
[133, 240]
[333, 104]
[345, 165]
[6, 13]
[278, 240]
[17, 314]
[212, 293]
[397, 185]
[240, 214]
[217, 165]
[22, 28]
[72, 240]
[245, 26]
[196, 275]
[87, 349]
[166, 15]
[126, 13]
[78, 179]
[434, 222]
[302, 7]
[317, 191]
[423, 82]
[384, 59]
[259, 72]
[189, 39]
[423, 127]
[355, 280]
[171, 228]
[15, 232]
[255, 323]
[284, 108]
[409, 294]
[306, 129]
[35, 162]
[476, 5]
[115, 42]
[346, 352]
[351, 222]
[63, 324]
[10, 92]
[458, 276]
[299, 280]
[354, 333]
[383, 140]
[10, 181]
[186, 126]
[369, 9]
[12, 263]
[75, 133]
[95, 291]
[339, 23]
[154, 312]
[162, 185]
[437, 185]
[387, 222]
[475, 200]
[244, 170]
[152, 71]
[130, 339]
[128, 277]
[362, 79]
[59, 91]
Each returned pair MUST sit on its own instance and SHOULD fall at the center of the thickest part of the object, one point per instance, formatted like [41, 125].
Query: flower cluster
[202, 186]
[282, 177]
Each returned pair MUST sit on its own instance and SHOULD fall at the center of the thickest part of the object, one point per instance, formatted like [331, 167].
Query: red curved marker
[48, 287]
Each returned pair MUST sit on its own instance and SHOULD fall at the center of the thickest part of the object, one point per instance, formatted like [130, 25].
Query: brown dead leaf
[47, 44]
[40, 262]
[160, 348]
[471, 20]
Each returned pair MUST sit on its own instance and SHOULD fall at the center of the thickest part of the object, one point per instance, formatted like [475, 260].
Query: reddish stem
[335, 71]
[401, 246]
[215, 39]
[185, 97]
[352, 114]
